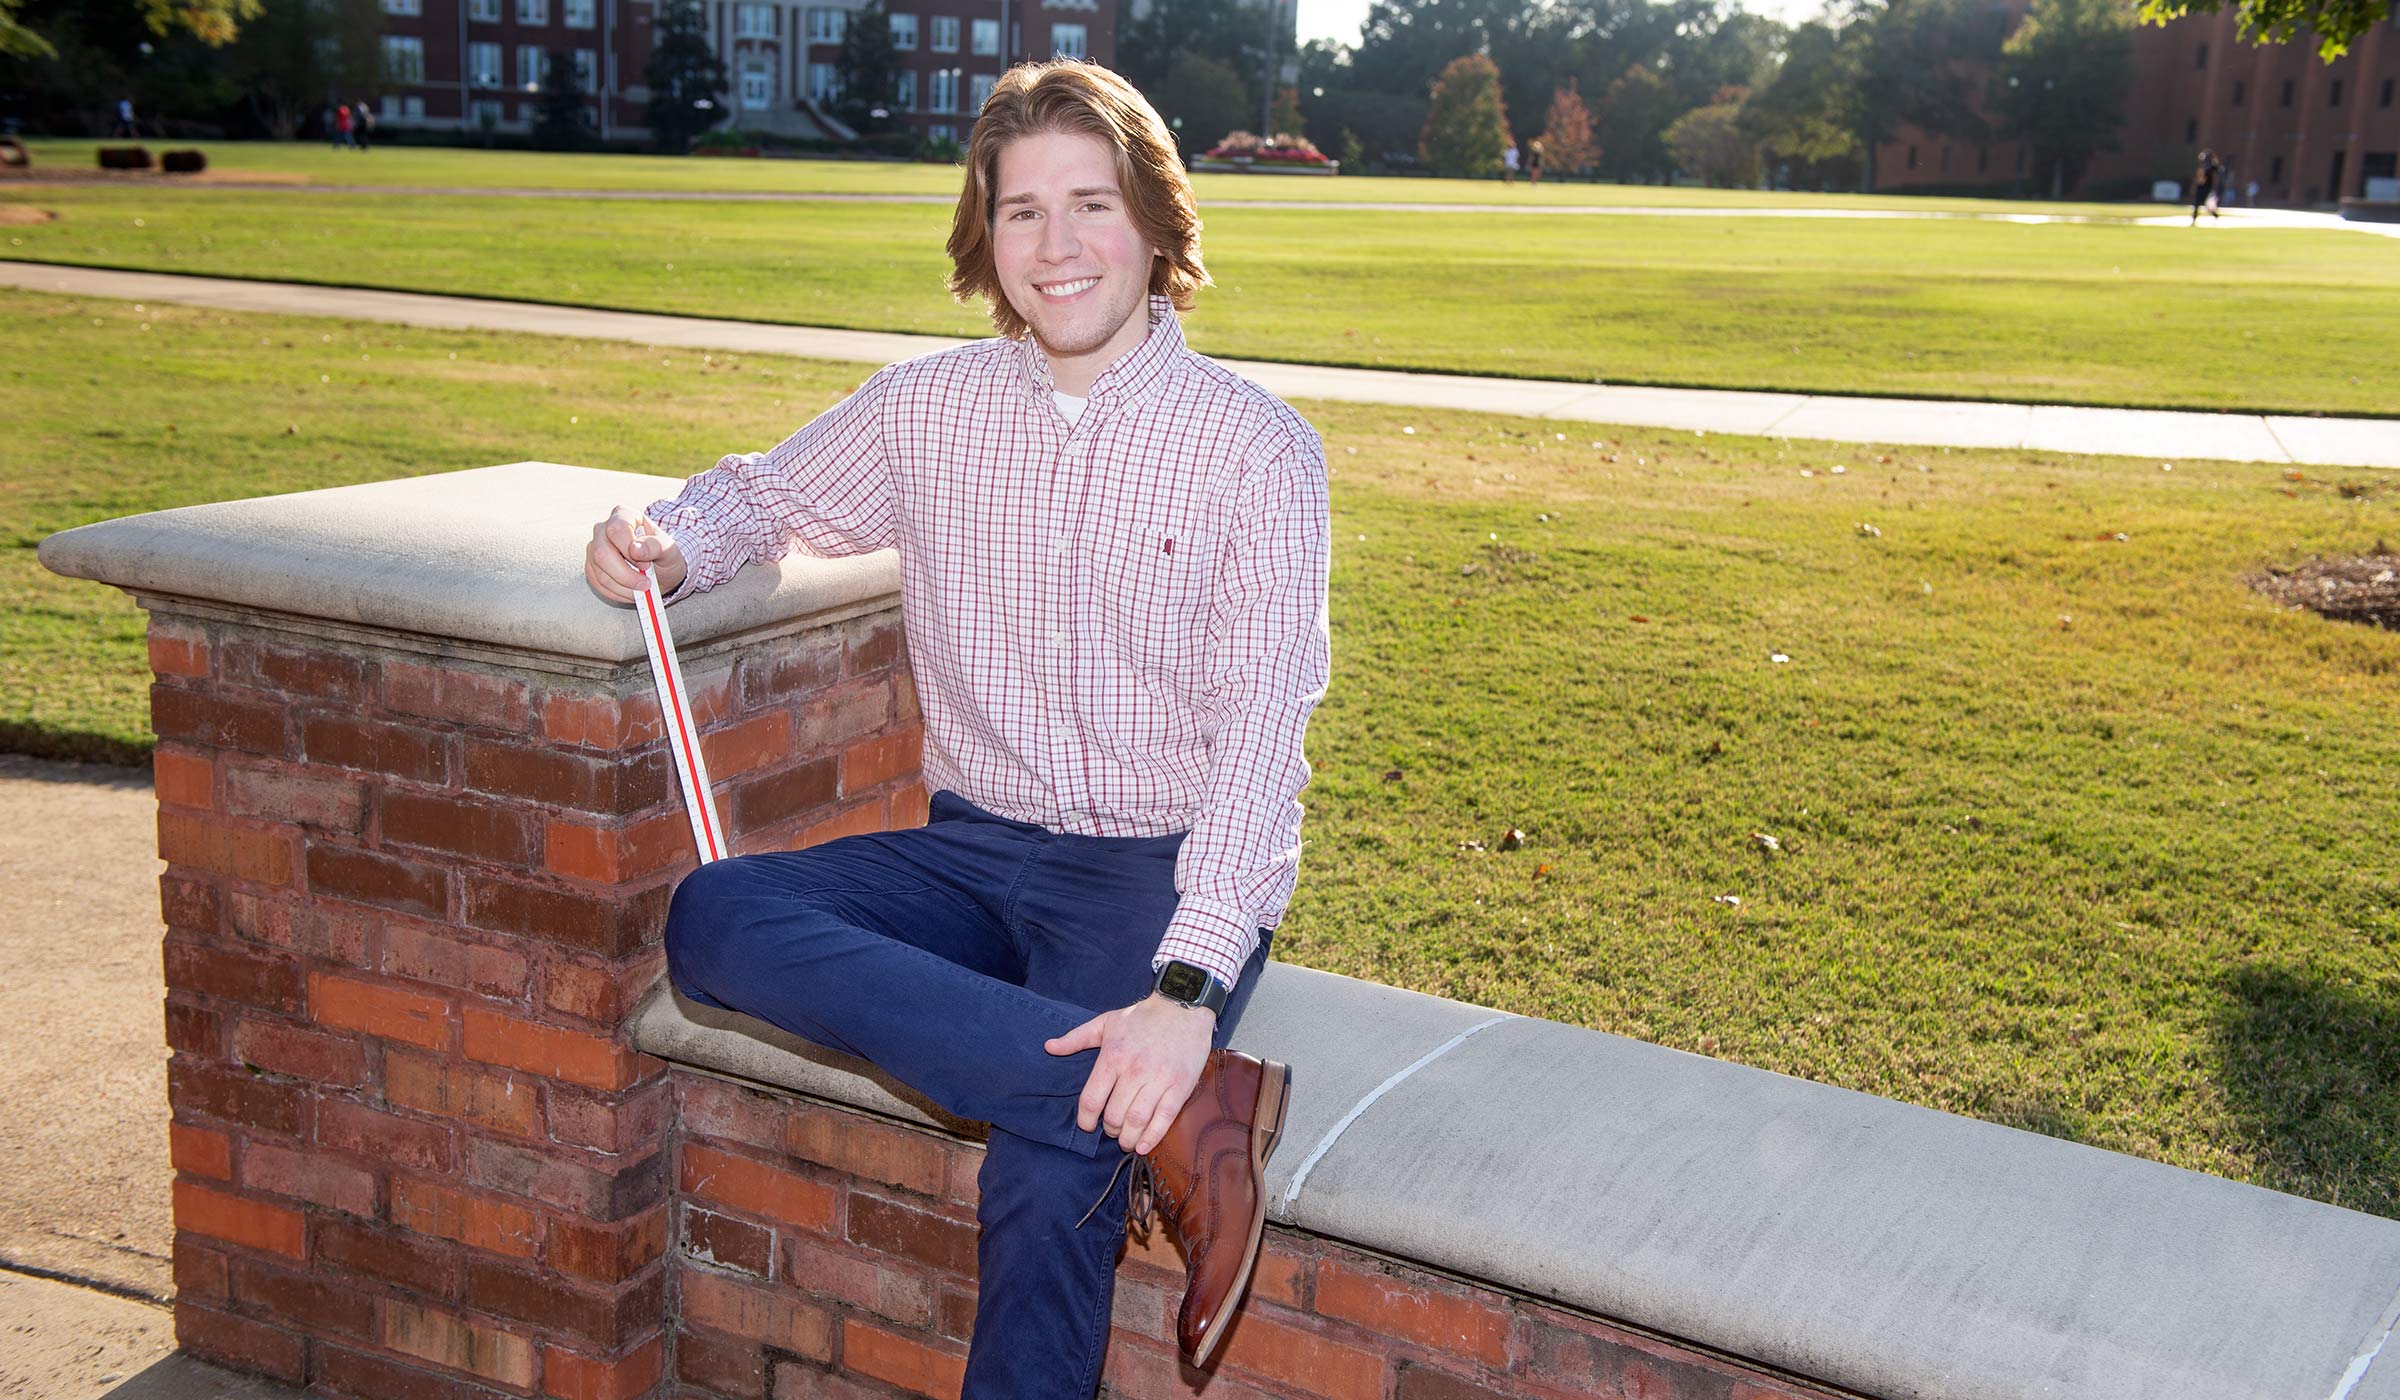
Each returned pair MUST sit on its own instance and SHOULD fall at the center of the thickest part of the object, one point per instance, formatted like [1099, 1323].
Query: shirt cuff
[1206, 934]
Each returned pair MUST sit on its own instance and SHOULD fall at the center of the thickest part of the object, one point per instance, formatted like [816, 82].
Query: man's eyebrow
[1029, 197]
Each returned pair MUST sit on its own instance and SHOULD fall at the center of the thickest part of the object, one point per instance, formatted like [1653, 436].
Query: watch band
[1190, 985]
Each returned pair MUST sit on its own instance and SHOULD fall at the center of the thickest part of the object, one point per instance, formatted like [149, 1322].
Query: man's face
[1069, 258]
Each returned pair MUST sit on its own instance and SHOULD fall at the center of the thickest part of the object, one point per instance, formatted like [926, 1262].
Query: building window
[1912, 157]
[2240, 91]
[587, 69]
[2286, 99]
[2333, 95]
[483, 65]
[403, 59]
[1066, 40]
[1983, 159]
[942, 131]
[533, 11]
[979, 90]
[530, 63]
[484, 11]
[2191, 130]
[904, 33]
[403, 109]
[582, 14]
[824, 82]
[1945, 160]
[754, 21]
[2384, 98]
[984, 38]
[945, 34]
[483, 114]
[944, 94]
[825, 25]
[906, 95]
[2202, 60]
[2275, 171]
[403, 7]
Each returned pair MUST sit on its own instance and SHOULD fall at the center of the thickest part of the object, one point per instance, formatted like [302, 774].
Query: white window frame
[403, 7]
[403, 59]
[754, 86]
[481, 105]
[532, 66]
[825, 24]
[904, 33]
[753, 21]
[580, 14]
[942, 131]
[587, 70]
[904, 93]
[825, 82]
[483, 11]
[1070, 40]
[533, 11]
[942, 93]
[979, 90]
[984, 38]
[945, 34]
[483, 64]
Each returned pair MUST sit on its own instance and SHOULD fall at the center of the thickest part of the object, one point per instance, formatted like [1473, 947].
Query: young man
[1113, 557]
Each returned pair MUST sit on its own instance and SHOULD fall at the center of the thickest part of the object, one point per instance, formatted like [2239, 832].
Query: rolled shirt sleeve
[826, 490]
[1240, 862]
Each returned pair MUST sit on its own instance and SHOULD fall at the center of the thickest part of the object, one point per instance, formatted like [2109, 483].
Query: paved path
[2236, 437]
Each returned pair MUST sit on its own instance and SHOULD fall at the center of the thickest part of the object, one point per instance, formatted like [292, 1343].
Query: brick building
[469, 65]
[2308, 132]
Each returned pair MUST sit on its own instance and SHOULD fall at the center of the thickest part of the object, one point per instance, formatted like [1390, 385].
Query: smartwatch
[1183, 983]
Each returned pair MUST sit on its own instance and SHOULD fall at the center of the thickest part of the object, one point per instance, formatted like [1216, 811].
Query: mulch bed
[2364, 588]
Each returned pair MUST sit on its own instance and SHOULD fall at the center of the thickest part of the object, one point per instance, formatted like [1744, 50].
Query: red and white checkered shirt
[1117, 628]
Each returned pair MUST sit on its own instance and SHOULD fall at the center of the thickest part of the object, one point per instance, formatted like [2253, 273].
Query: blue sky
[1340, 19]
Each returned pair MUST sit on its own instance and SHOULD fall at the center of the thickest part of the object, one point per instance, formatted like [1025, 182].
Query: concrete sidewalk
[2234, 437]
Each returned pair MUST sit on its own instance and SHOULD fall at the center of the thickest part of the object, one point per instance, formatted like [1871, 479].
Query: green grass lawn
[2078, 834]
[2282, 320]
[308, 162]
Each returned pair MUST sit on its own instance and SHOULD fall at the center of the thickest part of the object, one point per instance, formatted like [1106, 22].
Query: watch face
[1182, 982]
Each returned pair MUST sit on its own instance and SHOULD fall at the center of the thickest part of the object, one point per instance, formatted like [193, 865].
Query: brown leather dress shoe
[1208, 1179]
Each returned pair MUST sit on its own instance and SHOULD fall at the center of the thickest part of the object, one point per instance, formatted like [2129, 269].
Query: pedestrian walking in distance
[1533, 161]
[1113, 560]
[2205, 186]
[1508, 163]
[362, 124]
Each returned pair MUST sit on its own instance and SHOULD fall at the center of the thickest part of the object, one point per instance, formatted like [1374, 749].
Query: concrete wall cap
[492, 555]
[1882, 1248]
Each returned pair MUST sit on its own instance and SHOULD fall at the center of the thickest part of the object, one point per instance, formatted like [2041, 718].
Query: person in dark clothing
[2206, 185]
[362, 124]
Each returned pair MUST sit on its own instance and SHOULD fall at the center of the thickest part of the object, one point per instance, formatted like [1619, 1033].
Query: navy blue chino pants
[946, 955]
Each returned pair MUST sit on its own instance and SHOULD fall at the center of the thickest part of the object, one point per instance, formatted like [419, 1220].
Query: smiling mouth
[1061, 291]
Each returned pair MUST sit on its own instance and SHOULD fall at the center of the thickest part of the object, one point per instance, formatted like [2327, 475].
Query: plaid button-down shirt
[1117, 628]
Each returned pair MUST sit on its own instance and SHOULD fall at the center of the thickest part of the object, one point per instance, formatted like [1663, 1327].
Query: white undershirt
[1069, 405]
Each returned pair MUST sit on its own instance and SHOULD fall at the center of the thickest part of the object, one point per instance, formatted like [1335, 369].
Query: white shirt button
[1059, 640]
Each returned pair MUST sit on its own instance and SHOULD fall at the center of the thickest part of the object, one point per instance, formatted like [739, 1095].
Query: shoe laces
[1141, 1196]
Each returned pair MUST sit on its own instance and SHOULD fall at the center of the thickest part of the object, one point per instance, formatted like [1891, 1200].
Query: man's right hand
[623, 543]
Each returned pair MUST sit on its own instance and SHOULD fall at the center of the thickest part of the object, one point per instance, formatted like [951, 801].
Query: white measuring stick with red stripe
[683, 727]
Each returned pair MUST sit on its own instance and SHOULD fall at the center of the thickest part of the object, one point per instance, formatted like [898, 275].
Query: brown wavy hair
[1070, 95]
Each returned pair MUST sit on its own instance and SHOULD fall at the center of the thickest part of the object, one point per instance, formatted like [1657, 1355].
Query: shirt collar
[1130, 378]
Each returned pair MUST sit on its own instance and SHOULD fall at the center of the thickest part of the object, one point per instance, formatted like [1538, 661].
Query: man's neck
[1075, 374]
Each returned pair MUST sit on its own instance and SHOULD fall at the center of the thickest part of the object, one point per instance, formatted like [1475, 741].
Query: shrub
[124, 157]
[183, 162]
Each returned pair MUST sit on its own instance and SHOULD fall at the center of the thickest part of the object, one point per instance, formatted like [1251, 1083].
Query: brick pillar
[411, 898]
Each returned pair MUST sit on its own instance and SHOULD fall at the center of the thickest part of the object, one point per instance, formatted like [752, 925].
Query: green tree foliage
[1285, 118]
[1633, 121]
[869, 70]
[1808, 111]
[564, 122]
[2062, 83]
[1712, 143]
[18, 41]
[1918, 62]
[2335, 24]
[295, 52]
[1206, 96]
[212, 22]
[1466, 124]
[1228, 32]
[1567, 132]
[686, 78]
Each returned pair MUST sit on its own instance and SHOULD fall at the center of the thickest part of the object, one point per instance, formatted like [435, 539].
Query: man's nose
[1059, 241]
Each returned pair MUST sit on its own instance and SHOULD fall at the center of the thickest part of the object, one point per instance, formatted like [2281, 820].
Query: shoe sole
[1274, 1092]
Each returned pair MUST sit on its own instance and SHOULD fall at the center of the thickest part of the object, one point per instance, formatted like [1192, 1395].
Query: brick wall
[820, 1253]
[410, 901]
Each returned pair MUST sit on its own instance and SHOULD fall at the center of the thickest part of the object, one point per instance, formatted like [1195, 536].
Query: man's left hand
[1151, 1054]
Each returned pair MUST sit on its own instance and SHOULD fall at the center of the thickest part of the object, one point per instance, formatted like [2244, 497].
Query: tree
[1168, 31]
[1467, 124]
[868, 70]
[1807, 112]
[686, 78]
[1205, 96]
[1633, 116]
[17, 41]
[1710, 142]
[295, 52]
[1285, 119]
[564, 122]
[1567, 133]
[1918, 62]
[2062, 83]
[2334, 23]
[212, 22]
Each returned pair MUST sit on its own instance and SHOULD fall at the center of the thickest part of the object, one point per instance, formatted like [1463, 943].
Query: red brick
[852, 710]
[411, 888]
[477, 829]
[728, 1243]
[261, 856]
[213, 721]
[189, 904]
[176, 653]
[571, 1375]
[379, 1008]
[796, 792]
[1445, 1321]
[798, 666]
[955, 1316]
[760, 1312]
[568, 1180]
[351, 1373]
[319, 675]
[882, 759]
[1146, 1309]
[728, 1366]
[904, 699]
[1138, 1370]
[193, 1029]
[452, 1341]
[874, 645]
[394, 750]
[1570, 1354]
[296, 796]
[501, 1102]
[292, 1298]
[850, 1143]
[854, 820]
[605, 1318]
[218, 971]
[322, 928]
[605, 994]
[385, 1137]
[407, 1260]
[1280, 1276]
[305, 1054]
[1295, 1357]
[871, 1282]
[628, 1122]
[599, 721]
[201, 1274]
[306, 1176]
[895, 1229]
[913, 1365]
[614, 785]
[614, 855]
[553, 1052]
[714, 1108]
[745, 747]
[183, 779]
[237, 1096]
[462, 697]
[909, 807]
[221, 1215]
[239, 1342]
[605, 1253]
[423, 954]
[1155, 1252]
[200, 1151]
[754, 1188]
[609, 926]
[480, 1222]
[964, 1167]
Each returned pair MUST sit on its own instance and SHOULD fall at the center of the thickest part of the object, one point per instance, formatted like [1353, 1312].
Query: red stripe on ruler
[686, 742]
